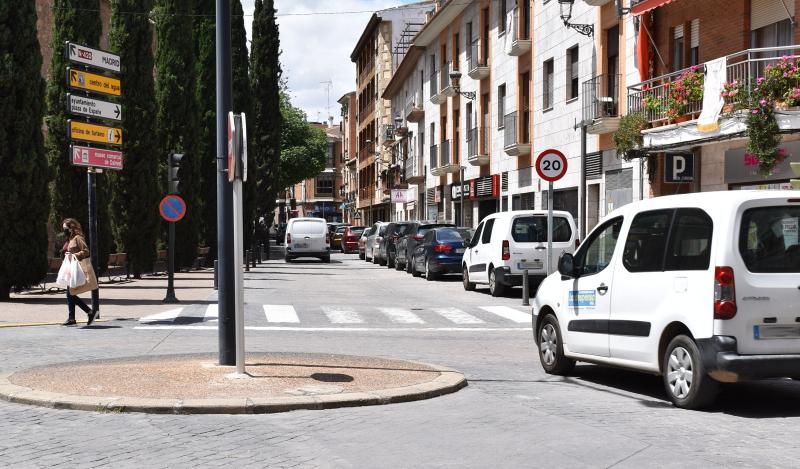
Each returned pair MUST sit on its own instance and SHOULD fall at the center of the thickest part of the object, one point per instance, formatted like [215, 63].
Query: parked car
[407, 244]
[362, 243]
[371, 251]
[388, 246]
[506, 243]
[440, 252]
[336, 238]
[699, 288]
[280, 233]
[351, 237]
[307, 237]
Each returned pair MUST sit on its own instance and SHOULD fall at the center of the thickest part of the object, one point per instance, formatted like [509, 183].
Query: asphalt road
[511, 415]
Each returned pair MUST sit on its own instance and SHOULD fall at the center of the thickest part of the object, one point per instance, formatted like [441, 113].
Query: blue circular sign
[172, 207]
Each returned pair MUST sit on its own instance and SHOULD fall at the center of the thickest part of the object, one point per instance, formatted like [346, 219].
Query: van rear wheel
[495, 288]
[468, 286]
[686, 381]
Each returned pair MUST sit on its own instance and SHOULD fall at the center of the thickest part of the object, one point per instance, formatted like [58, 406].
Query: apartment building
[348, 191]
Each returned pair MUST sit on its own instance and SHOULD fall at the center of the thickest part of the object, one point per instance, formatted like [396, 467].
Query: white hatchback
[307, 237]
[698, 288]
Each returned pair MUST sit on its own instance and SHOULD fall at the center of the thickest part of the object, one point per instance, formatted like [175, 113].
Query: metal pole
[216, 276]
[225, 253]
[93, 240]
[525, 289]
[461, 193]
[170, 298]
[583, 182]
[549, 228]
[246, 260]
[238, 242]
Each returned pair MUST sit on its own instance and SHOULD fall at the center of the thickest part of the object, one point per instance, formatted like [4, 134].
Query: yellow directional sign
[94, 133]
[93, 82]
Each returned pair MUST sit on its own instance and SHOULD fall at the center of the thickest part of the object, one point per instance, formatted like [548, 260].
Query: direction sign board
[94, 133]
[172, 208]
[92, 57]
[94, 108]
[96, 157]
[551, 165]
[93, 82]
[232, 144]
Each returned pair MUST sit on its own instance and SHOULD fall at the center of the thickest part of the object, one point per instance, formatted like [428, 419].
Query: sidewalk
[128, 299]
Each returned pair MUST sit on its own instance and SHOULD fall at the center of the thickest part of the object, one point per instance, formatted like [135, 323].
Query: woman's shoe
[69, 322]
[91, 317]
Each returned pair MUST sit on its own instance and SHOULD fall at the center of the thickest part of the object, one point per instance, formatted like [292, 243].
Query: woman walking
[76, 246]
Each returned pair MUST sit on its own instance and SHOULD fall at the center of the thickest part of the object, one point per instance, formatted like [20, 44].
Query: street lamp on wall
[565, 7]
[455, 81]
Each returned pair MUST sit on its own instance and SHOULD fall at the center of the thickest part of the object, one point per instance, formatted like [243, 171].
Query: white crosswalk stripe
[509, 313]
[401, 316]
[457, 316]
[162, 317]
[280, 313]
[342, 315]
[212, 312]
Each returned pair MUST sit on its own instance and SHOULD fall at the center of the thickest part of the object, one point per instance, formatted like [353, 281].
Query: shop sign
[742, 167]
[437, 197]
[456, 188]
[486, 186]
[679, 167]
[402, 196]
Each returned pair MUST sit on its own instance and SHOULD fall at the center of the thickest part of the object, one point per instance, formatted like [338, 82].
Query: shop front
[741, 169]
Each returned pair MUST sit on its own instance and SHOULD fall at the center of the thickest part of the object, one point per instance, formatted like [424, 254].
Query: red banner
[96, 157]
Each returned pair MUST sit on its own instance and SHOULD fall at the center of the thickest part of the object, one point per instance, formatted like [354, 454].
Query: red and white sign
[231, 148]
[96, 157]
[551, 165]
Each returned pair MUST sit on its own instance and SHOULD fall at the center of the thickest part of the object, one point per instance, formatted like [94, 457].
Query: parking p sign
[551, 165]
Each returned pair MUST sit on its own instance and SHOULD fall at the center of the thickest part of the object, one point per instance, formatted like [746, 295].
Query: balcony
[415, 111]
[414, 169]
[445, 87]
[446, 164]
[366, 71]
[478, 69]
[677, 127]
[367, 111]
[436, 96]
[601, 104]
[520, 39]
[366, 151]
[516, 142]
[477, 143]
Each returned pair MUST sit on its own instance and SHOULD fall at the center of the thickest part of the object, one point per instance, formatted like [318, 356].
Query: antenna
[328, 85]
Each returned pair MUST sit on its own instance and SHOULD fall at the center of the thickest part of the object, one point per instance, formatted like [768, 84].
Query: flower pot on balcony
[683, 118]
[727, 108]
[780, 105]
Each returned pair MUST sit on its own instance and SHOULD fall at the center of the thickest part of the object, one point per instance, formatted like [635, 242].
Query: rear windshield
[533, 229]
[453, 235]
[309, 227]
[357, 231]
[768, 239]
[402, 230]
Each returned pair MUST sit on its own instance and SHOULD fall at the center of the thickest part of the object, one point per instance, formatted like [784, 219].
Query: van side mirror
[566, 265]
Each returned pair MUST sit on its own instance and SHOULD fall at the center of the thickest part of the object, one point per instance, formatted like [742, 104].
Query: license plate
[535, 265]
[776, 332]
[301, 245]
[459, 250]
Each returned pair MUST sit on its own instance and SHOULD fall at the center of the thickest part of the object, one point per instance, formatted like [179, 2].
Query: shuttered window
[766, 12]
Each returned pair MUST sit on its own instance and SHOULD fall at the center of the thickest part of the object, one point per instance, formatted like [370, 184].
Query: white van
[506, 243]
[307, 237]
[698, 288]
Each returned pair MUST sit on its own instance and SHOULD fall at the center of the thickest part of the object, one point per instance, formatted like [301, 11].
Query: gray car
[371, 250]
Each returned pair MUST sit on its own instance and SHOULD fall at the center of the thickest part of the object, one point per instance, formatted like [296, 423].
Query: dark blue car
[440, 252]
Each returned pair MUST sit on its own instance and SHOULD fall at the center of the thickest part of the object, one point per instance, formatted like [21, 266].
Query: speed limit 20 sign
[551, 165]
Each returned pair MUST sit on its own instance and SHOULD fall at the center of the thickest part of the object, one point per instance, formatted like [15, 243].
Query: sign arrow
[72, 50]
[73, 75]
[117, 136]
[116, 111]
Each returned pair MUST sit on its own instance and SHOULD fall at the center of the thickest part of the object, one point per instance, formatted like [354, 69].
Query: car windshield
[768, 240]
[341, 229]
[308, 227]
[357, 231]
[533, 229]
[452, 235]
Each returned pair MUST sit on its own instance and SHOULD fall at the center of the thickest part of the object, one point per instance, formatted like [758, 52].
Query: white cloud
[316, 48]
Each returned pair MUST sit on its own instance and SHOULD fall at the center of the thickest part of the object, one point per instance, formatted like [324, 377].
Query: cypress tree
[23, 260]
[135, 191]
[205, 70]
[177, 114]
[265, 74]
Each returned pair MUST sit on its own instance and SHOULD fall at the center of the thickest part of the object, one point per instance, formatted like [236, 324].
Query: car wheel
[375, 258]
[551, 348]
[398, 266]
[288, 259]
[326, 259]
[361, 255]
[495, 288]
[429, 274]
[468, 286]
[389, 262]
[408, 265]
[414, 272]
[685, 379]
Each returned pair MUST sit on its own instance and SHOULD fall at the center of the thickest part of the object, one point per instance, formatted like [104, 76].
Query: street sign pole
[227, 326]
[170, 297]
[551, 165]
[549, 228]
[93, 241]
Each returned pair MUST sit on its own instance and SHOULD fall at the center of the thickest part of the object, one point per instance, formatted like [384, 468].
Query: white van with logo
[701, 289]
[307, 237]
[506, 243]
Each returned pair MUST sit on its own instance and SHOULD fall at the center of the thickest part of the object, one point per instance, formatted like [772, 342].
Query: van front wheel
[685, 378]
[551, 348]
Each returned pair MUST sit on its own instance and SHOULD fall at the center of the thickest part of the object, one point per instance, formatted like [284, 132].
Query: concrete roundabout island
[195, 384]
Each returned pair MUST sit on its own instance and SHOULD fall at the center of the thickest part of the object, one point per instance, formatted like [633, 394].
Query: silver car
[371, 250]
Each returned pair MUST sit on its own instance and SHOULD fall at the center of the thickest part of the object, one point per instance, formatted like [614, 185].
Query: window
[487, 231]
[476, 236]
[596, 253]
[501, 105]
[572, 73]
[533, 229]
[547, 84]
[307, 227]
[694, 43]
[647, 241]
[768, 240]
[690, 241]
[501, 17]
[677, 49]
[469, 117]
[324, 185]
[329, 159]
[773, 35]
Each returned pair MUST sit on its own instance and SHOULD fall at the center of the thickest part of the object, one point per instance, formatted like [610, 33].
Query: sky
[316, 48]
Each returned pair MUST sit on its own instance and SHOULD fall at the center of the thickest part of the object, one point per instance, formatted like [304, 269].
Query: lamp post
[455, 80]
[565, 7]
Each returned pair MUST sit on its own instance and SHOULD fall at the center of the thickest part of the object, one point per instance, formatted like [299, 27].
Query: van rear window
[533, 229]
[768, 239]
[309, 227]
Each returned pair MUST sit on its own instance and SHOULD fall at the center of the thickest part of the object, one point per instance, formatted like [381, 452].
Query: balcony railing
[516, 133]
[444, 77]
[477, 143]
[510, 129]
[366, 150]
[414, 168]
[444, 159]
[434, 83]
[520, 37]
[478, 68]
[414, 107]
[601, 97]
[366, 111]
[368, 67]
[433, 157]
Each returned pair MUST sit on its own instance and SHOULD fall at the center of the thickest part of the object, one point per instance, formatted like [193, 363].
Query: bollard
[266, 251]
[253, 259]
[525, 292]
[247, 260]
[260, 253]
[215, 274]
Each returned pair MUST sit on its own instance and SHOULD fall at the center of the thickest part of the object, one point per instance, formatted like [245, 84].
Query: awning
[647, 5]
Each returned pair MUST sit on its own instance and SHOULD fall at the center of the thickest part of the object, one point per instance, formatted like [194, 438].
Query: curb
[448, 381]
[34, 324]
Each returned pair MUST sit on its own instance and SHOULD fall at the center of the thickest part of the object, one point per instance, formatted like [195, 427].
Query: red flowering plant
[686, 89]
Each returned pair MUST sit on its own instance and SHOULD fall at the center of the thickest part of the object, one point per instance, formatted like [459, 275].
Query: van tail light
[724, 293]
[443, 248]
[506, 250]
[288, 238]
[577, 243]
[418, 237]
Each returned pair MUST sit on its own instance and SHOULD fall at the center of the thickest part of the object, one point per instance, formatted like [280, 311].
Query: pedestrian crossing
[320, 317]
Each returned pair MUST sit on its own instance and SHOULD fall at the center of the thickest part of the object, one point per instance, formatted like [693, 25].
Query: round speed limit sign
[551, 165]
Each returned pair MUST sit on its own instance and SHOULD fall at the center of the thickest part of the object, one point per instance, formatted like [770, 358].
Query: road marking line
[457, 316]
[212, 312]
[509, 313]
[345, 329]
[280, 313]
[342, 315]
[165, 316]
[401, 316]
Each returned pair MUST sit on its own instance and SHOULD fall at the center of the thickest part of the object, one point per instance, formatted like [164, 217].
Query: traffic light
[796, 169]
[172, 173]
